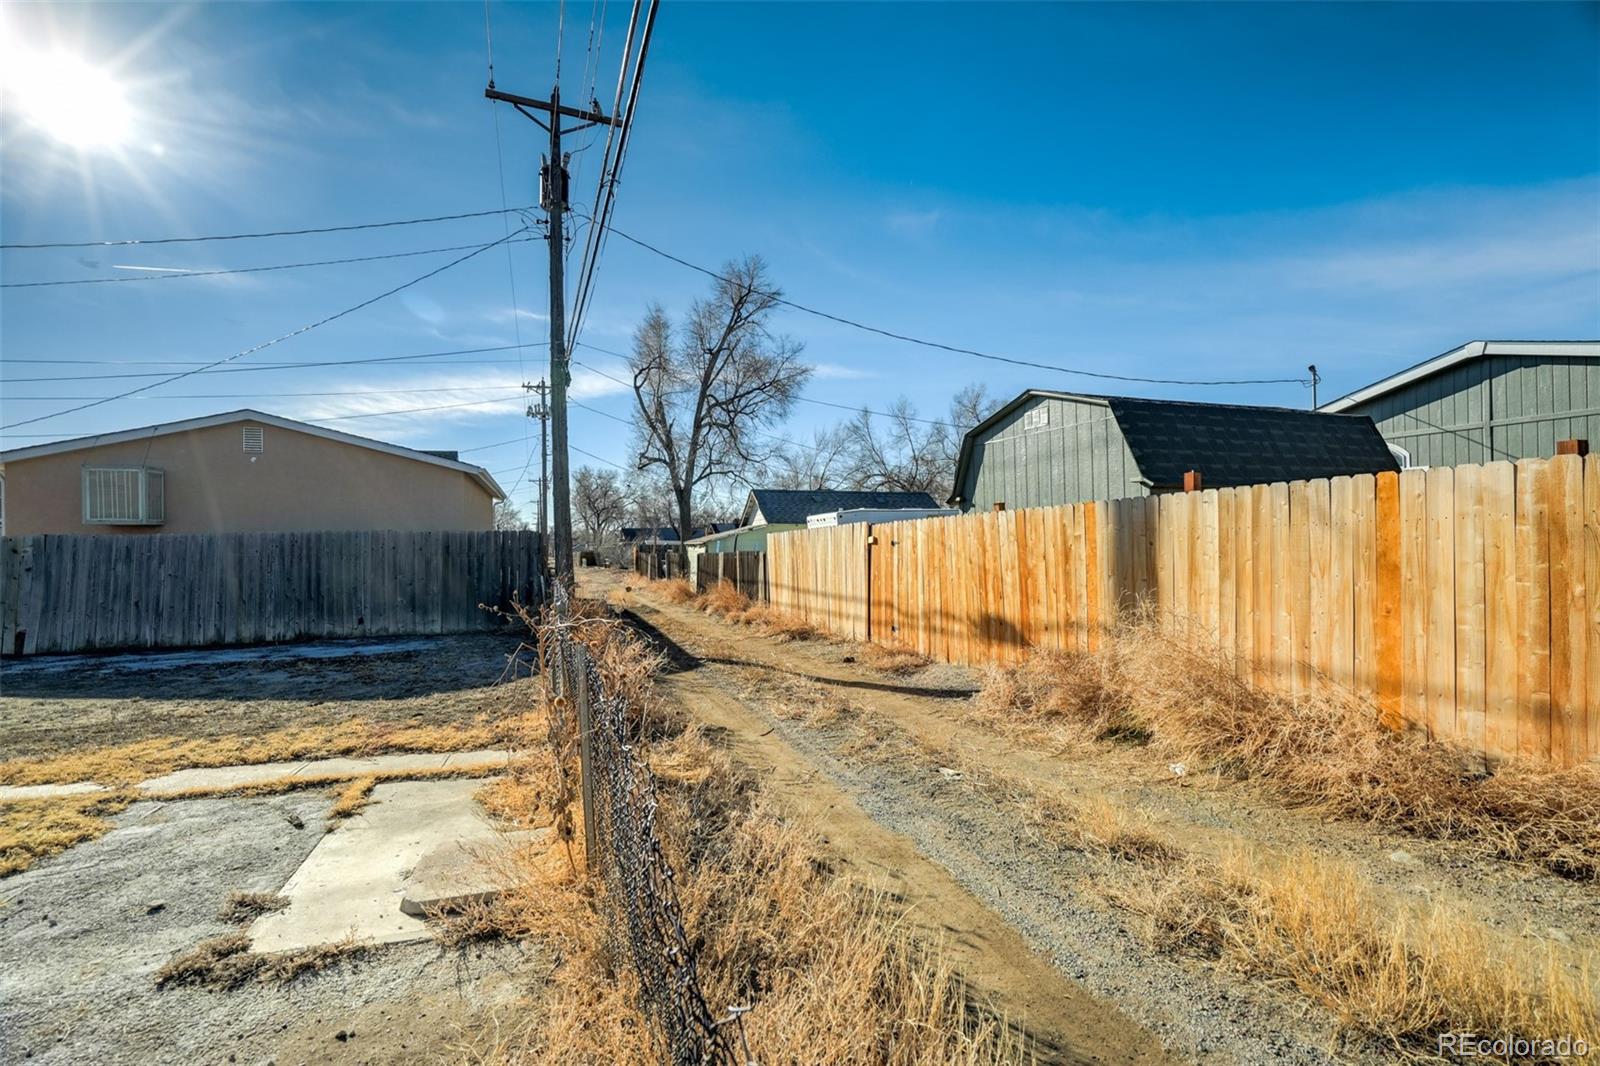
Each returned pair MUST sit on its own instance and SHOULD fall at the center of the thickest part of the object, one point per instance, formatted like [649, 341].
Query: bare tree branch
[707, 387]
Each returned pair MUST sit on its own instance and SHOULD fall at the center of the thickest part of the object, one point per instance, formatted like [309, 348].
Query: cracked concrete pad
[352, 883]
[456, 874]
[235, 776]
[220, 776]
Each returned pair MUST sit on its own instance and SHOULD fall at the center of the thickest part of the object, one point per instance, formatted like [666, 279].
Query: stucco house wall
[298, 482]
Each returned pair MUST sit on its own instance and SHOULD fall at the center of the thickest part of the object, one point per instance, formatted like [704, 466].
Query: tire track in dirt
[952, 846]
[1208, 816]
[1069, 1024]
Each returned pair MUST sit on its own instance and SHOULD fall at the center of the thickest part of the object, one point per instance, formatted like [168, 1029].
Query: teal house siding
[1488, 400]
[1047, 448]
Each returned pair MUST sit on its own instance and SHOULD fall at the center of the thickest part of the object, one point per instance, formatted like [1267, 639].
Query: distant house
[1047, 448]
[776, 510]
[1486, 400]
[239, 472]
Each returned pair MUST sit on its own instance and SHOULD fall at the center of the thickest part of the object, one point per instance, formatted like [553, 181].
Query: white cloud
[841, 372]
[409, 407]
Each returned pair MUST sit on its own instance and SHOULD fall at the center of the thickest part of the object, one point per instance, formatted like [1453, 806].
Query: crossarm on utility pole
[544, 105]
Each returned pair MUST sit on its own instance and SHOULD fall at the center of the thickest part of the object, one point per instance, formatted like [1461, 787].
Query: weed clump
[246, 907]
[829, 974]
[726, 602]
[1403, 977]
[1323, 750]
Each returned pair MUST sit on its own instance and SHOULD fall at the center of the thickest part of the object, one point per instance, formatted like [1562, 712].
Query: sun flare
[70, 99]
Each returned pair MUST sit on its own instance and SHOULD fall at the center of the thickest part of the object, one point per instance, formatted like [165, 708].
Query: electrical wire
[252, 236]
[598, 458]
[802, 399]
[247, 270]
[415, 410]
[778, 298]
[281, 395]
[265, 344]
[605, 187]
[264, 367]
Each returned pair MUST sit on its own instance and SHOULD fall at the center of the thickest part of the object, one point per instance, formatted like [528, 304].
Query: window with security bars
[124, 496]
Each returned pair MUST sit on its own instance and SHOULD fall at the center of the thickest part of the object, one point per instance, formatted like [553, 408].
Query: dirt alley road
[1011, 908]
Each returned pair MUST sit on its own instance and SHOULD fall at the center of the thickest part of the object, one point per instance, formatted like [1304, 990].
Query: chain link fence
[644, 922]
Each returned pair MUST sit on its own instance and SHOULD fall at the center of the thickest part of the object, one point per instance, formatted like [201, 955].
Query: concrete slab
[456, 874]
[352, 882]
[26, 792]
[426, 760]
[234, 776]
[220, 776]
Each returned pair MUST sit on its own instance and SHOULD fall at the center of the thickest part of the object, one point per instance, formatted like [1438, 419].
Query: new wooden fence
[67, 593]
[1463, 600]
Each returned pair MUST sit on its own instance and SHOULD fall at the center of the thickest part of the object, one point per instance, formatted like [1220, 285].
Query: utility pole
[1316, 379]
[553, 199]
[541, 411]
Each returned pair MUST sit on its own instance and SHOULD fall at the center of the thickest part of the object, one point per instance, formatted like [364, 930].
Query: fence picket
[1457, 600]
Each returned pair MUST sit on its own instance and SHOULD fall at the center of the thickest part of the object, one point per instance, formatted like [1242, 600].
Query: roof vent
[255, 441]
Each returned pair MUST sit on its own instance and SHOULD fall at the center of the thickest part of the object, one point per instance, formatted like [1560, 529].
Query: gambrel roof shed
[1046, 448]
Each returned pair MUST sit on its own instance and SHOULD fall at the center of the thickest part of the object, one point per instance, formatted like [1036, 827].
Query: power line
[253, 236]
[281, 395]
[415, 410]
[606, 189]
[598, 458]
[802, 399]
[270, 367]
[265, 344]
[246, 270]
[496, 444]
[260, 366]
[777, 298]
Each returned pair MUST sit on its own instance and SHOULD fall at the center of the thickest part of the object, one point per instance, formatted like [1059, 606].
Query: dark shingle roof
[794, 505]
[1230, 444]
[1238, 445]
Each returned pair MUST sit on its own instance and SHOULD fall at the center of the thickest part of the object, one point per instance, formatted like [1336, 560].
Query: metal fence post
[580, 692]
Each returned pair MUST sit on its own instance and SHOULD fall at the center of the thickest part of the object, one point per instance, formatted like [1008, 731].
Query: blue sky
[1183, 191]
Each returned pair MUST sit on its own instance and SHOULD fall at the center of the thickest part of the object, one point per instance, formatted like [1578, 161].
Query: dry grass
[227, 962]
[351, 798]
[246, 907]
[673, 590]
[129, 764]
[891, 659]
[726, 602]
[1322, 751]
[1401, 977]
[35, 829]
[830, 975]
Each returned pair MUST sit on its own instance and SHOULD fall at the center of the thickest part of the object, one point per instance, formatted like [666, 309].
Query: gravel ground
[1199, 1011]
[61, 703]
[82, 935]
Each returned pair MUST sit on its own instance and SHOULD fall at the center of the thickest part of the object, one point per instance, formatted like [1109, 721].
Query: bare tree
[506, 516]
[817, 465]
[597, 497]
[901, 451]
[705, 388]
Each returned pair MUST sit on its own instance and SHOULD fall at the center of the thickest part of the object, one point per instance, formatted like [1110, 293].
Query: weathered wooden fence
[745, 571]
[67, 593]
[658, 564]
[1464, 600]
